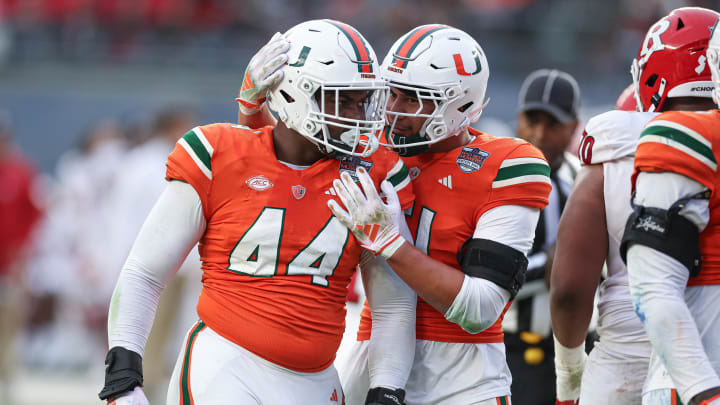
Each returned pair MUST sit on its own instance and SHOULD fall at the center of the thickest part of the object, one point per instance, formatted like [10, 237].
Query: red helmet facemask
[671, 61]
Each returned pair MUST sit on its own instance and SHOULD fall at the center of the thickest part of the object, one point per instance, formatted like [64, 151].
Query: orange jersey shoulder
[688, 143]
[682, 142]
[453, 190]
[198, 155]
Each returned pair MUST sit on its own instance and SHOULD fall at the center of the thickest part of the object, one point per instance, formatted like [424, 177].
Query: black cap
[552, 91]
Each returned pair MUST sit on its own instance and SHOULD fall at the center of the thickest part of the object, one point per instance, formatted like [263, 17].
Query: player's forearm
[392, 342]
[580, 252]
[171, 229]
[437, 283]
[570, 320]
[257, 120]
[571, 300]
[657, 285]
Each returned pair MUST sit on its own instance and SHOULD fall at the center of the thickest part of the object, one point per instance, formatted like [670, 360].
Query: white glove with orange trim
[376, 225]
[134, 397]
[261, 73]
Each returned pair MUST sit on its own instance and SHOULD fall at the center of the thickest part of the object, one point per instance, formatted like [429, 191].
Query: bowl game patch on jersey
[350, 163]
[471, 159]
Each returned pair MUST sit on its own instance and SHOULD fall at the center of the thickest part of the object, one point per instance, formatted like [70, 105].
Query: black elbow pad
[495, 262]
[666, 231]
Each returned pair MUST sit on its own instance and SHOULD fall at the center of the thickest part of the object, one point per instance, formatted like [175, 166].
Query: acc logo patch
[471, 159]
[259, 183]
[351, 163]
[298, 191]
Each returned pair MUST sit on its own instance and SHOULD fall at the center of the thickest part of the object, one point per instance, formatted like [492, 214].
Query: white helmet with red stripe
[713, 54]
[443, 66]
[327, 58]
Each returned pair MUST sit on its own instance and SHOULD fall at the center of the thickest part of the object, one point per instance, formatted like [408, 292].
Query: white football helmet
[713, 55]
[328, 57]
[441, 65]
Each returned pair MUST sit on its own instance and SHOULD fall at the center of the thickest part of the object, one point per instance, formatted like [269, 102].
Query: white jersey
[610, 139]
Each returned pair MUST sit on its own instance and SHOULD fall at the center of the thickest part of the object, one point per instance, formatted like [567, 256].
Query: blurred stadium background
[94, 92]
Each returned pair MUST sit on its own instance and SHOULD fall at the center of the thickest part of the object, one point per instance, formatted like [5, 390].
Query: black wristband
[385, 396]
[123, 372]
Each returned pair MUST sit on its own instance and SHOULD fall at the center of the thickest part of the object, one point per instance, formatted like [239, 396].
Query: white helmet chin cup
[327, 58]
[443, 66]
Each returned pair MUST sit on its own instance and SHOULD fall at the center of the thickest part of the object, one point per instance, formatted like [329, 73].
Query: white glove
[376, 225]
[134, 397]
[569, 367]
[261, 73]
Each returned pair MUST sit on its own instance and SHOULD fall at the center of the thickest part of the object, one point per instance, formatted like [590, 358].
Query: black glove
[123, 372]
[385, 396]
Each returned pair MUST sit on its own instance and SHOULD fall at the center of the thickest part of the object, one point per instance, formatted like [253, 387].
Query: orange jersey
[276, 262]
[688, 143]
[453, 190]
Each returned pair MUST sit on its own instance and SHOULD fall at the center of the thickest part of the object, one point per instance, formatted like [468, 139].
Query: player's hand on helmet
[134, 397]
[385, 396]
[375, 224]
[569, 367]
[262, 73]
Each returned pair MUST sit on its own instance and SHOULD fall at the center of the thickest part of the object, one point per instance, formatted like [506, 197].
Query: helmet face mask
[713, 54]
[434, 66]
[671, 61]
[349, 119]
[329, 63]
[415, 117]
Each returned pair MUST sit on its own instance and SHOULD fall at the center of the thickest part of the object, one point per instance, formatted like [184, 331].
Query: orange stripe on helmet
[411, 42]
[361, 50]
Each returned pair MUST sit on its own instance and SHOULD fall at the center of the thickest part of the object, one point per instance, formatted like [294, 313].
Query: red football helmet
[626, 99]
[671, 61]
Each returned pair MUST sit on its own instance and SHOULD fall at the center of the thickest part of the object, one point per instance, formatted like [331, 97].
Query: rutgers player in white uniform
[666, 76]
[673, 250]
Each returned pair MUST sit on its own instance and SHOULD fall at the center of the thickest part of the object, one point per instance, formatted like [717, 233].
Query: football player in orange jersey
[477, 197]
[275, 267]
[672, 247]
[669, 73]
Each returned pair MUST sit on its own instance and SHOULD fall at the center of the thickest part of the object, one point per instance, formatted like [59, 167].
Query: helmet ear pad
[329, 56]
[671, 61]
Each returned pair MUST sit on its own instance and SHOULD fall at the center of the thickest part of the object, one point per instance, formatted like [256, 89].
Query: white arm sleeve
[392, 338]
[172, 228]
[658, 283]
[480, 302]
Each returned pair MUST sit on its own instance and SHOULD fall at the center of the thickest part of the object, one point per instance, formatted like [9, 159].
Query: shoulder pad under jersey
[612, 135]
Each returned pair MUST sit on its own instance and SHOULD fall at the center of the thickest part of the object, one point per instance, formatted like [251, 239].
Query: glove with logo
[375, 224]
[385, 396]
[262, 72]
